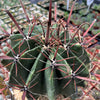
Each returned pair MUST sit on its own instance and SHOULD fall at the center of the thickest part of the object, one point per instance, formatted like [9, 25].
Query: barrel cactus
[45, 59]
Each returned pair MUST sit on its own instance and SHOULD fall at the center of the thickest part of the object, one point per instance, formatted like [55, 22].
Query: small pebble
[5, 49]
[2, 54]
[9, 41]
[3, 44]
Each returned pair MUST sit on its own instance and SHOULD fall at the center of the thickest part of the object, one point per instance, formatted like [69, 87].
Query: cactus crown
[46, 59]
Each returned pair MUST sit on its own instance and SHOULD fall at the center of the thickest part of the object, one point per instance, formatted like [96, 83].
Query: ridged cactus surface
[46, 67]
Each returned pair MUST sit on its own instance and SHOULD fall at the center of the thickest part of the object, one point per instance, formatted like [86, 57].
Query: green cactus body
[47, 83]
[42, 68]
